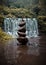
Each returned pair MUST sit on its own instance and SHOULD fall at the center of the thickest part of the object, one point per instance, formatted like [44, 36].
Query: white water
[11, 26]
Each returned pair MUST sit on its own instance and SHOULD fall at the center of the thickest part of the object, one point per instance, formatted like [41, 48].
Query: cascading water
[11, 26]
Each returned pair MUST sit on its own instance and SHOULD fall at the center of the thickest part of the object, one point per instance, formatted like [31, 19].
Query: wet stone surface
[34, 53]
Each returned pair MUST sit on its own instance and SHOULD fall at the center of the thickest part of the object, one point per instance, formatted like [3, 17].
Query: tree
[42, 6]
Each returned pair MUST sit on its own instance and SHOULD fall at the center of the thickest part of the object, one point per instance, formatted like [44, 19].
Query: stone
[22, 33]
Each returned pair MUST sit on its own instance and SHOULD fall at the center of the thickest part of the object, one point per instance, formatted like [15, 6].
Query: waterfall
[11, 26]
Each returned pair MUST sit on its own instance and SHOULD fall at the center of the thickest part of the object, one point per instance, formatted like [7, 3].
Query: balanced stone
[22, 40]
[22, 24]
[22, 33]
[22, 29]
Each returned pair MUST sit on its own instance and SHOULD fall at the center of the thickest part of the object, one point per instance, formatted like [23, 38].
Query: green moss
[42, 23]
[18, 12]
[4, 36]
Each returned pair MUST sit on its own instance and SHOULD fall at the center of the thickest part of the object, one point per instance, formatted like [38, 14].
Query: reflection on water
[33, 53]
[14, 52]
[34, 41]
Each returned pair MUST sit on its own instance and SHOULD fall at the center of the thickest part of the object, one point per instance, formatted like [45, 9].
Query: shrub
[4, 36]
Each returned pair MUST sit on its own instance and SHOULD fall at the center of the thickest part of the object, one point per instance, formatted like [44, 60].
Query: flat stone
[22, 40]
[21, 34]
[22, 24]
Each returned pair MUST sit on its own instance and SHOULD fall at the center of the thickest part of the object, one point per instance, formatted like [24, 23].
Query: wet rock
[22, 33]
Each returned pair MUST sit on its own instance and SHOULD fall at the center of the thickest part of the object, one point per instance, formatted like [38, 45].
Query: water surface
[33, 54]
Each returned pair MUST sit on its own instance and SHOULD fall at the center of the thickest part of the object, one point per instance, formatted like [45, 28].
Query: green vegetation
[4, 36]
[18, 12]
[24, 8]
[42, 23]
[23, 3]
[19, 3]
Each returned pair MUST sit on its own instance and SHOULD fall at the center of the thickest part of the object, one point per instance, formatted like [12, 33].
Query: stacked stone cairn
[22, 33]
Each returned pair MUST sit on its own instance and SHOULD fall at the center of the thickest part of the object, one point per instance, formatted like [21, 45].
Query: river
[30, 54]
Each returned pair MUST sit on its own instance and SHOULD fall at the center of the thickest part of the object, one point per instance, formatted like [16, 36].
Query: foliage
[23, 3]
[42, 23]
[18, 12]
[4, 36]
[23, 8]
[36, 10]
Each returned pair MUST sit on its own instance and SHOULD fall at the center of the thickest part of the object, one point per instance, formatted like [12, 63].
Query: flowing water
[34, 53]
[11, 26]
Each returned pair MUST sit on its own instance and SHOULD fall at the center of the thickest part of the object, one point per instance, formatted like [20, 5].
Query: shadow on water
[33, 54]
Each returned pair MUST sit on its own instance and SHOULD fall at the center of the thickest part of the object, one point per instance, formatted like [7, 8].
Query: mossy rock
[4, 36]
[42, 23]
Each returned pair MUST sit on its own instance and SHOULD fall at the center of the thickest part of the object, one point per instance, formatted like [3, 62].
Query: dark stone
[22, 24]
[22, 41]
[22, 30]
[22, 33]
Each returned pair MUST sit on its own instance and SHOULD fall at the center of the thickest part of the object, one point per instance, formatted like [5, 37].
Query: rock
[22, 40]
[22, 33]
